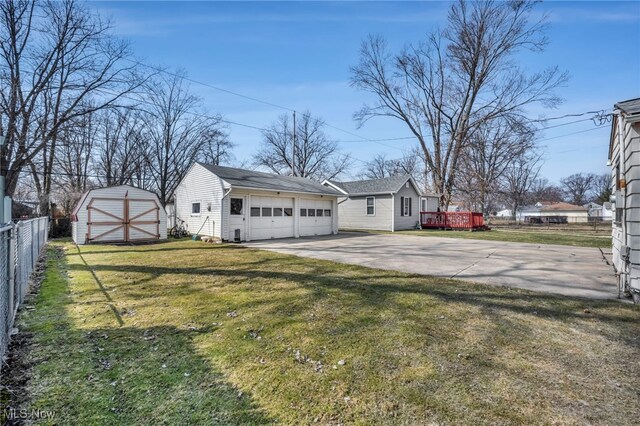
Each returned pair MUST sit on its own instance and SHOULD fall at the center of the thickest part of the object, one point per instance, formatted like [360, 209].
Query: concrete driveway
[569, 271]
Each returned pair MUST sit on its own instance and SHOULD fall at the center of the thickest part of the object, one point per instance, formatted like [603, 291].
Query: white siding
[407, 222]
[111, 200]
[627, 199]
[352, 213]
[200, 185]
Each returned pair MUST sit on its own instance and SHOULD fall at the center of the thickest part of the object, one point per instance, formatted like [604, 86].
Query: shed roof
[373, 186]
[258, 180]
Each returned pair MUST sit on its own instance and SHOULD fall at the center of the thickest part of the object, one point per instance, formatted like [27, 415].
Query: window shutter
[401, 206]
[410, 214]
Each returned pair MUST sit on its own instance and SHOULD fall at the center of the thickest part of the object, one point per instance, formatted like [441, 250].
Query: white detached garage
[118, 214]
[243, 205]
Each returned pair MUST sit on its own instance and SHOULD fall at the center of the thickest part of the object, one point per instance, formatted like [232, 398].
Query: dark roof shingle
[259, 180]
[373, 186]
[631, 107]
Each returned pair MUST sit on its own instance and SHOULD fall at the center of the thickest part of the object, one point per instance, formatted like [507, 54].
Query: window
[236, 206]
[266, 211]
[255, 211]
[327, 212]
[195, 208]
[405, 206]
[371, 206]
[303, 212]
[319, 212]
[311, 212]
[288, 211]
[277, 211]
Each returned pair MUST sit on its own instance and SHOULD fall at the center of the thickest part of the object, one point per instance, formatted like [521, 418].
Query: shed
[118, 214]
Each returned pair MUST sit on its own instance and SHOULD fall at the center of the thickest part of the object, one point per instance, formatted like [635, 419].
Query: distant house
[545, 212]
[599, 212]
[624, 158]
[504, 213]
[243, 205]
[389, 204]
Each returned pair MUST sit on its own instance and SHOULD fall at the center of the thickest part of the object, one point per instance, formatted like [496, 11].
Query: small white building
[560, 212]
[388, 204]
[243, 205]
[624, 158]
[118, 214]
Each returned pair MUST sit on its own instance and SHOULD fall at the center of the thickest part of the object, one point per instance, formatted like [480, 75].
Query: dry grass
[189, 333]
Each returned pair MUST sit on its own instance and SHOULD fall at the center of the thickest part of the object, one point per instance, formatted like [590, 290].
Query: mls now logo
[23, 414]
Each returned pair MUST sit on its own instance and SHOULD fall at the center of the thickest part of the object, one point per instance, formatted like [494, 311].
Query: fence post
[11, 270]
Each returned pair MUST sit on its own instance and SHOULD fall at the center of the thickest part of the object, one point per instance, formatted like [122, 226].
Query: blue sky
[298, 54]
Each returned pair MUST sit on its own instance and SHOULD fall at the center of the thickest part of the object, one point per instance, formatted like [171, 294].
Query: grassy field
[565, 237]
[189, 333]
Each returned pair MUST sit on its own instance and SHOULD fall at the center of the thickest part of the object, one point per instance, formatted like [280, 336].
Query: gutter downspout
[228, 191]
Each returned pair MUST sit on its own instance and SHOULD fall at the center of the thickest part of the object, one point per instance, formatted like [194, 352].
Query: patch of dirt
[16, 369]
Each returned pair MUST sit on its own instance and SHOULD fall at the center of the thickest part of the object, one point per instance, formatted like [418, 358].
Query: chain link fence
[20, 248]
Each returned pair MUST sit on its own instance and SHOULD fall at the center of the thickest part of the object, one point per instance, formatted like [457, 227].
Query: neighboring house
[607, 211]
[118, 214]
[544, 212]
[242, 205]
[624, 158]
[599, 212]
[389, 204]
[504, 213]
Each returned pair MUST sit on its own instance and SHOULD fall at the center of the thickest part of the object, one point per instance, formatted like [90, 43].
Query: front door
[237, 211]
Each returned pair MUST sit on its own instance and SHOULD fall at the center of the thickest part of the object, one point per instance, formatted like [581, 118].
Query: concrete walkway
[569, 271]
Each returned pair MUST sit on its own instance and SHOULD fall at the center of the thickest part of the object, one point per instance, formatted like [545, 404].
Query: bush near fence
[21, 245]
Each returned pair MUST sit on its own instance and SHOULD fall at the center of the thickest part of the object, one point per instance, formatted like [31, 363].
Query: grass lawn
[535, 236]
[190, 333]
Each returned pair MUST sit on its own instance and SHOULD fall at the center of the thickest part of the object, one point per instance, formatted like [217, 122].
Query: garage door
[117, 219]
[316, 217]
[271, 217]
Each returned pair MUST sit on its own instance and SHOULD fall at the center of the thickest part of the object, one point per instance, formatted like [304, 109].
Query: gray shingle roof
[373, 186]
[258, 180]
[632, 106]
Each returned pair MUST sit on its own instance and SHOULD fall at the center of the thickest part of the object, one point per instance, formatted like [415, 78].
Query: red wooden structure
[452, 220]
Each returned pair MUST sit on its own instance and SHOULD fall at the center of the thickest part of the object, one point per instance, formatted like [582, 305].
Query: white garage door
[271, 217]
[316, 217]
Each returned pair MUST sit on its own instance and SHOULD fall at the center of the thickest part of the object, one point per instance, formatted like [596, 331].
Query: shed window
[371, 206]
[255, 211]
[266, 211]
[195, 208]
[236, 206]
[288, 211]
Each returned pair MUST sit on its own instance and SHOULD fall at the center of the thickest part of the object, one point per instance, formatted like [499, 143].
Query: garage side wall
[200, 186]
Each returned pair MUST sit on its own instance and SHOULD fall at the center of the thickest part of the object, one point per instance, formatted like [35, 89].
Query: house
[232, 204]
[504, 213]
[599, 212]
[557, 212]
[388, 204]
[118, 214]
[624, 159]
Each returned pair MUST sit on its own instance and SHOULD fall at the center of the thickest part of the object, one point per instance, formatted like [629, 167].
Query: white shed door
[316, 217]
[271, 217]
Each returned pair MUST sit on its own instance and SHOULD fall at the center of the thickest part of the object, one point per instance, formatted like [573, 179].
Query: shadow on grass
[123, 375]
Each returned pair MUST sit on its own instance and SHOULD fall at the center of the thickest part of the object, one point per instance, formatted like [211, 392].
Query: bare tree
[577, 188]
[491, 150]
[602, 188]
[59, 62]
[457, 80]
[316, 155]
[177, 132]
[518, 179]
[380, 166]
[543, 190]
[218, 149]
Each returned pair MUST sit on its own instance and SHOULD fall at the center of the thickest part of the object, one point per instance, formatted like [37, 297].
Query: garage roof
[241, 178]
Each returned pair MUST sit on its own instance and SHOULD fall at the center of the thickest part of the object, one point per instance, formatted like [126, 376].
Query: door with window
[237, 211]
